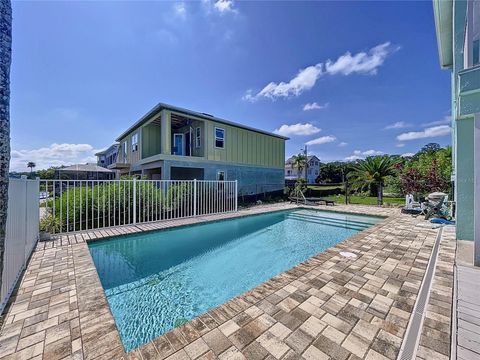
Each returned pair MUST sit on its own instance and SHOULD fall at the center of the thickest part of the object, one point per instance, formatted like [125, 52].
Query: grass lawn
[367, 200]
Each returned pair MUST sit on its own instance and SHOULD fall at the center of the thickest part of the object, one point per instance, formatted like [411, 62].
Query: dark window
[219, 138]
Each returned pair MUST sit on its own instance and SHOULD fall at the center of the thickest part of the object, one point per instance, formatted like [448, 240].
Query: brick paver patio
[327, 307]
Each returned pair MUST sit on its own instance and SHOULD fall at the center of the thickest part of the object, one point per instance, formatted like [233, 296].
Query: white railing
[78, 205]
[21, 233]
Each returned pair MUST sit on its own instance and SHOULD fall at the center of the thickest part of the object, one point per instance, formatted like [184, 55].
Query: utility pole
[306, 163]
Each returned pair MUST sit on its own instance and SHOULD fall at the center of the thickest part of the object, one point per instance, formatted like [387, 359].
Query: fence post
[236, 195]
[194, 197]
[134, 200]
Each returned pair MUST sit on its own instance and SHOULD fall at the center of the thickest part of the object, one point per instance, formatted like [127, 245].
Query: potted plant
[49, 224]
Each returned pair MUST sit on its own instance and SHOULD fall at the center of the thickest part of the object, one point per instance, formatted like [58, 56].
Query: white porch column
[476, 190]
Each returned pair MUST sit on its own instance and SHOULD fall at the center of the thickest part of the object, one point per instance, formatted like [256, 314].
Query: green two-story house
[171, 143]
[458, 36]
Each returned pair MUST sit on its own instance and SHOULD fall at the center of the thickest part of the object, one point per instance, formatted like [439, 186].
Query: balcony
[187, 136]
[469, 91]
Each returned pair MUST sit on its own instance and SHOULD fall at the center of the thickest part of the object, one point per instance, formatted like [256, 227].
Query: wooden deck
[468, 313]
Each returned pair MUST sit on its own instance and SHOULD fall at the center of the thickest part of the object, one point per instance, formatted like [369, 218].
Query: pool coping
[92, 329]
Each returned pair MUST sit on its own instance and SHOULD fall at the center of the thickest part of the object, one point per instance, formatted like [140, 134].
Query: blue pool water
[158, 280]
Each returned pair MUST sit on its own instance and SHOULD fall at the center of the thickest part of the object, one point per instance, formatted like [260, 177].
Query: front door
[178, 144]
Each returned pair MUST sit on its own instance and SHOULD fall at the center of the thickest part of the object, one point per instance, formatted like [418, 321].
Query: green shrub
[50, 224]
[109, 204]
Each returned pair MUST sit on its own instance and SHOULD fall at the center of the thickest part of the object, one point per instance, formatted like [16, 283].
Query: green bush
[109, 204]
[50, 224]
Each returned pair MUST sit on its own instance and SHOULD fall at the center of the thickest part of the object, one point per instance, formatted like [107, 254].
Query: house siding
[254, 158]
[244, 146]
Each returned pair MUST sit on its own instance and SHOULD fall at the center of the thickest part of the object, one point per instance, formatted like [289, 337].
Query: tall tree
[299, 162]
[31, 165]
[372, 171]
[5, 61]
[430, 148]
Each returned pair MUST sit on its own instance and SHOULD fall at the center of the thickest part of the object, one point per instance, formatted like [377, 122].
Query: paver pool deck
[327, 307]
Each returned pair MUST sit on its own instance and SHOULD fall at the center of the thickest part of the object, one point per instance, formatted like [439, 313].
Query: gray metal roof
[107, 149]
[161, 106]
[84, 168]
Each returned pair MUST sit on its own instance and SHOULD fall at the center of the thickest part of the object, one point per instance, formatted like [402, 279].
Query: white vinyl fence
[77, 205]
[22, 232]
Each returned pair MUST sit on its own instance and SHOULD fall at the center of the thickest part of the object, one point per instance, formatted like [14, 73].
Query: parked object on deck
[436, 204]
[411, 206]
[442, 221]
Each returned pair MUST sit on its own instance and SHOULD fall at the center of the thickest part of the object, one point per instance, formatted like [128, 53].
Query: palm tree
[299, 162]
[31, 165]
[372, 171]
[5, 61]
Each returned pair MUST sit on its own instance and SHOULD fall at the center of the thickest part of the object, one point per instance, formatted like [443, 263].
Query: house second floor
[171, 133]
[107, 157]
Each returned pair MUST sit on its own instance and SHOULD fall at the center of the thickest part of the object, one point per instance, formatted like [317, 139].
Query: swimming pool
[158, 280]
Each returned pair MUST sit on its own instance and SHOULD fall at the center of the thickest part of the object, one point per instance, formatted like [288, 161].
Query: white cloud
[53, 155]
[353, 158]
[430, 132]
[446, 120]
[180, 9]
[297, 129]
[400, 145]
[304, 80]
[397, 125]
[360, 63]
[358, 154]
[407, 154]
[224, 6]
[342, 144]
[314, 106]
[372, 152]
[322, 140]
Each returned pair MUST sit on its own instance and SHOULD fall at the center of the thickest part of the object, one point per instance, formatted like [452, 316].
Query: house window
[125, 150]
[219, 138]
[135, 142]
[198, 133]
[221, 176]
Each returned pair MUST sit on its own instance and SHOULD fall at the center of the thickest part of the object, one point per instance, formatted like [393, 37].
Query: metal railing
[78, 205]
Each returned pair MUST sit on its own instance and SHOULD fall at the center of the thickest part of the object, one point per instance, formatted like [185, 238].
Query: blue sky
[348, 78]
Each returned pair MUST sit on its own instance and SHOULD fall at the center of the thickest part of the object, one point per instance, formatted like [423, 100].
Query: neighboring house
[458, 36]
[84, 172]
[172, 143]
[108, 156]
[313, 169]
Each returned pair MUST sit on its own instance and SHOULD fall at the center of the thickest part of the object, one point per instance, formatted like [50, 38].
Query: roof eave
[443, 14]
[161, 106]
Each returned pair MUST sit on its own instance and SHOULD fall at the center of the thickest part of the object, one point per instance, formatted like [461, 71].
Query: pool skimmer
[348, 254]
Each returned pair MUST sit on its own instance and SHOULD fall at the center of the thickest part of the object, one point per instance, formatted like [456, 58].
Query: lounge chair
[302, 200]
[314, 201]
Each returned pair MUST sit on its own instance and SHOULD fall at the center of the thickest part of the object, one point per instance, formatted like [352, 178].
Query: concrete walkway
[327, 307]
[468, 313]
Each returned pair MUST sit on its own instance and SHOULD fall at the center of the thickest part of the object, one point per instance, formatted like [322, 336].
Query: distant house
[172, 143]
[108, 156]
[312, 169]
[84, 172]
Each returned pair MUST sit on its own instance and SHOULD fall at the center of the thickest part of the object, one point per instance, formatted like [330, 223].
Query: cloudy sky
[349, 79]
